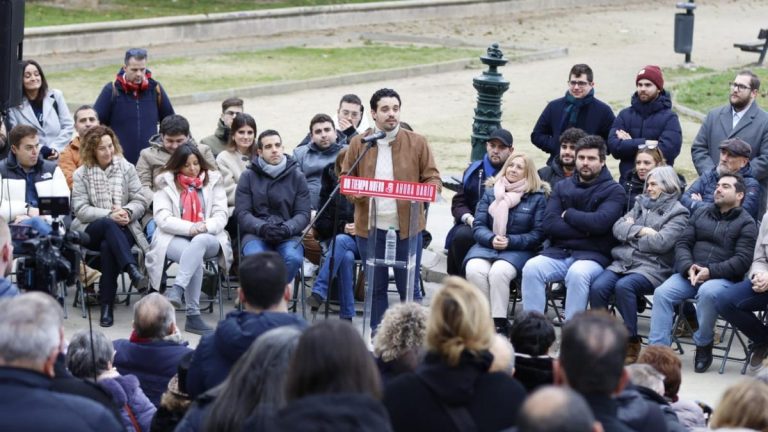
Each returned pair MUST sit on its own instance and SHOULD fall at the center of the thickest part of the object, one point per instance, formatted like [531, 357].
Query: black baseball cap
[501, 135]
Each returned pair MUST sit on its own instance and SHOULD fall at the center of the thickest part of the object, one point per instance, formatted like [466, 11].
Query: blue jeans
[343, 265]
[674, 291]
[150, 229]
[38, 224]
[291, 250]
[625, 288]
[577, 274]
[737, 305]
[380, 301]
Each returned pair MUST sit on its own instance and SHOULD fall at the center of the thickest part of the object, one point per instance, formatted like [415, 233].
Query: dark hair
[572, 135]
[230, 102]
[43, 82]
[256, 379]
[740, 186]
[173, 125]
[20, 132]
[136, 53]
[179, 158]
[352, 99]
[347, 367]
[592, 352]
[555, 409]
[320, 118]
[266, 133]
[382, 93]
[532, 334]
[84, 108]
[265, 284]
[91, 140]
[581, 69]
[754, 80]
[240, 120]
[592, 142]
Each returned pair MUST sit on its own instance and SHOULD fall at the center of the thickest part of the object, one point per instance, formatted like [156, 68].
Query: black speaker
[11, 38]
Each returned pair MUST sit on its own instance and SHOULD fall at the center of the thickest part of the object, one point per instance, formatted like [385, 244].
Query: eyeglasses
[578, 83]
[739, 87]
[649, 146]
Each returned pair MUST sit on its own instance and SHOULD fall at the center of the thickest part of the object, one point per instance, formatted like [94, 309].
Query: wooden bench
[758, 47]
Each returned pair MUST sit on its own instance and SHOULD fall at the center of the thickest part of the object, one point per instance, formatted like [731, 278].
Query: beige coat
[231, 166]
[760, 259]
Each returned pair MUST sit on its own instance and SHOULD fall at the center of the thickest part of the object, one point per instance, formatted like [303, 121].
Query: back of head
[30, 330]
[555, 409]
[86, 359]
[173, 125]
[332, 358]
[594, 345]
[743, 406]
[153, 316]
[401, 331]
[665, 360]
[262, 279]
[532, 334]
[645, 375]
[459, 320]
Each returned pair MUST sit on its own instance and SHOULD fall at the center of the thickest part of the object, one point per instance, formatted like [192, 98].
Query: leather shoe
[107, 316]
[703, 358]
[138, 278]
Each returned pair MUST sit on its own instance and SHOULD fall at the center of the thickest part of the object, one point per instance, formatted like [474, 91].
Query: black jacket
[534, 372]
[722, 242]
[552, 173]
[605, 409]
[340, 204]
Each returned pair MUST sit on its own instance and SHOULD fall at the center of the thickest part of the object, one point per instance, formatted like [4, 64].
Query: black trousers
[113, 242]
[460, 245]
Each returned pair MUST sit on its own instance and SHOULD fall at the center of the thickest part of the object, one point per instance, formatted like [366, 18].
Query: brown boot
[633, 350]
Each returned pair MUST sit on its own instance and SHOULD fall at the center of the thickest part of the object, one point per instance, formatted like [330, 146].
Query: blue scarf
[488, 168]
[573, 106]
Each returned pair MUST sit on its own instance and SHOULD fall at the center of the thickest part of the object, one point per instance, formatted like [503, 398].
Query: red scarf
[190, 203]
[131, 87]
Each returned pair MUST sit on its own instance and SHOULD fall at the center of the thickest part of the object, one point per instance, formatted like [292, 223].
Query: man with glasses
[133, 105]
[741, 118]
[349, 119]
[648, 122]
[218, 141]
[578, 108]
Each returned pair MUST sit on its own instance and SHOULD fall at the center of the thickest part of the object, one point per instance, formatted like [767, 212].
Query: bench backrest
[763, 34]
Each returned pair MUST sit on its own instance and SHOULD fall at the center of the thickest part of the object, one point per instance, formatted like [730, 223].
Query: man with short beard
[565, 164]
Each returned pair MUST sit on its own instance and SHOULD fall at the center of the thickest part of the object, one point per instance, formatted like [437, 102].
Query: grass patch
[709, 92]
[679, 73]
[188, 75]
[113, 10]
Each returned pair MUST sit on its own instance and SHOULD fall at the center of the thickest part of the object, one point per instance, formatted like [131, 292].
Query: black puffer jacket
[345, 209]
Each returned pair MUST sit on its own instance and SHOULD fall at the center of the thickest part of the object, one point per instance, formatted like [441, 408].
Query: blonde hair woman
[508, 229]
[455, 374]
[743, 407]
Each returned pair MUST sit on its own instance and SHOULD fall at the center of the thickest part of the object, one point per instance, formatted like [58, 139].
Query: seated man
[713, 253]
[264, 296]
[460, 238]
[565, 164]
[218, 141]
[734, 159]
[325, 144]
[272, 203]
[349, 119]
[155, 347]
[578, 222]
[69, 160]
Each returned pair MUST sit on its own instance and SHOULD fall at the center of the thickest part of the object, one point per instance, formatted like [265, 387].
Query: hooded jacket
[217, 353]
[311, 160]
[654, 120]
[218, 141]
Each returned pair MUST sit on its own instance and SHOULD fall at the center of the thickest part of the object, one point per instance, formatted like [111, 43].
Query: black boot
[703, 358]
[138, 279]
[502, 326]
[107, 316]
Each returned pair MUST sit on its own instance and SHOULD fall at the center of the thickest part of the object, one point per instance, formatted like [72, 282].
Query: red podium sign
[403, 190]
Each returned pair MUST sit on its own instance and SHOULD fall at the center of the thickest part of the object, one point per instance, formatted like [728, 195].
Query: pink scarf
[191, 209]
[507, 196]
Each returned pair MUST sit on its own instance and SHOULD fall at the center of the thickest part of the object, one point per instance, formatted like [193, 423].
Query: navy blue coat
[654, 120]
[594, 119]
[591, 209]
[466, 199]
[525, 230]
[706, 185]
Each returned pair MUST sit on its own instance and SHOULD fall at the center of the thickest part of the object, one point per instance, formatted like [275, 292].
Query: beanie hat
[653, 74]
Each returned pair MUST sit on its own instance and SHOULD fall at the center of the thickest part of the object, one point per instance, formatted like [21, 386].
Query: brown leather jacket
[412, 161]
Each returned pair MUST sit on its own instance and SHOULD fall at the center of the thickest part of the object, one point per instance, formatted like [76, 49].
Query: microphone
[372, 138]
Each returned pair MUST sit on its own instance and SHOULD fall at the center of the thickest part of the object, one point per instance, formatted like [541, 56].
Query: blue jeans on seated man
[291, 250]
[39, 224]
[625, 287]
[674, 291]
[380, 301]
[577, 275]
[737, 306]
[344, 257]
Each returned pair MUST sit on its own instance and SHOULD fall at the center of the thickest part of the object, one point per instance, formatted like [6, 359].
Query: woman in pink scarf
[508, 229]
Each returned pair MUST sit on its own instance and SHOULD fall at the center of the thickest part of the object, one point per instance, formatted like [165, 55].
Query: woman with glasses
[646, 251]
[44, 109]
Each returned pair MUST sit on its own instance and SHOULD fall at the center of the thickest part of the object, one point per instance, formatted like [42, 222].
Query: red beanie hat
[653, 74]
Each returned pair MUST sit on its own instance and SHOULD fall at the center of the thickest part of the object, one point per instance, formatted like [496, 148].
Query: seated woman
[508, 229]
[190, 208]
[235, 158]
[44, 109]
[646, 253]
[108, 202]
[633, 181]
[455, 372]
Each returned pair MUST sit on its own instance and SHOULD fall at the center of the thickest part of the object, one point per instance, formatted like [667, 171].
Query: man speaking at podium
[403, 156]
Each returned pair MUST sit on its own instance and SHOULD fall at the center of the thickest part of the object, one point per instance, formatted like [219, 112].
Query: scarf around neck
[191, 208]
[488, 169]
[106, 184]
[133, 88]
[507, 196]
[573, 106]
[272, 170]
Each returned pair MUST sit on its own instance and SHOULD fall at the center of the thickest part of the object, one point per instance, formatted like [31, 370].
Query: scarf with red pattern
[191, 209]
[131, 87]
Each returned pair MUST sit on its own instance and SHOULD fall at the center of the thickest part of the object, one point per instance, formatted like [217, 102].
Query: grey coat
[652, 256]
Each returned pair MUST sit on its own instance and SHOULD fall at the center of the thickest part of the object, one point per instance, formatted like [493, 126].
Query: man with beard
[648, 123]
[743, 119]
[734, 159]
[578, 222]
[565, 164]
[460, 239]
